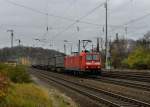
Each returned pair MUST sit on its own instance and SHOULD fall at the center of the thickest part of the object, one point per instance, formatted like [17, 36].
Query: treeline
[34, 54]
[132, 54]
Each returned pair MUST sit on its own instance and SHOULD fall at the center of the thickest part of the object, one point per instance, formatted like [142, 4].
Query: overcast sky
[28, 19]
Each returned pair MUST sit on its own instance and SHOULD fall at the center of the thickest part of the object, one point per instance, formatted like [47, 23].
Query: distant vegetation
[32, 54]
[138, 59]
[130, 54]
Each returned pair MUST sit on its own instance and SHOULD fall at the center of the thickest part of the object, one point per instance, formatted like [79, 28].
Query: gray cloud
[29, 24]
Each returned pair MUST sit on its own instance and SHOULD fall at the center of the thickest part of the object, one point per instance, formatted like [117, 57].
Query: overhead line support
[106, 35]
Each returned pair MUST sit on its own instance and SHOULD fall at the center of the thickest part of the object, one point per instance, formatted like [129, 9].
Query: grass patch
[17, 74]
[17, 90]
[26, 95]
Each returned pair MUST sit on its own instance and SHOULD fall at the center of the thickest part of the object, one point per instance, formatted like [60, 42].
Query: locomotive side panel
[72, 63]
[85, 63]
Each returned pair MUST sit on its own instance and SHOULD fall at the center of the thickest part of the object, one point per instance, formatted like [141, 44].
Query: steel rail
[127, 76]
[125, 83]
[79, 90]
[110, 94]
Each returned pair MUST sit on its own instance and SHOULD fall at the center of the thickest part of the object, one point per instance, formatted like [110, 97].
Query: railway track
[129, 76]
[98, 95]
[128, 83]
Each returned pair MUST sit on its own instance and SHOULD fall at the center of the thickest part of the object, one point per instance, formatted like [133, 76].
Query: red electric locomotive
[83, 63]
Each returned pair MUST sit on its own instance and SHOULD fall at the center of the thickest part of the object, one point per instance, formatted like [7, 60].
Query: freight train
[88, 63]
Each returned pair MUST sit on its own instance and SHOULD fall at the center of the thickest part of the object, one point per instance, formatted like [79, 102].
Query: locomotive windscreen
[92, 57]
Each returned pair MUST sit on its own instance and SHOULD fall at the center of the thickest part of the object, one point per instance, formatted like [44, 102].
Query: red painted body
[84, 61]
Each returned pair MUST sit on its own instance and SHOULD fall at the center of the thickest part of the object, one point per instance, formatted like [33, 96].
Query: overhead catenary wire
[133, 20]
[79, 19]
[67, 8]
[70, 19]
[47, 18]
[137, 19]
[46, 30]
[123, 6]
[124, 25]
[51, 28]
[56, 16]
[49, 14]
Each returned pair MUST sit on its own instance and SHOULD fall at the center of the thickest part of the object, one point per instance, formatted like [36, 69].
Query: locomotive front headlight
[87, 67]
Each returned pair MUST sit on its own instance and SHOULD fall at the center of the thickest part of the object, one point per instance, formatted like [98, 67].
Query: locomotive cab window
[92, 57]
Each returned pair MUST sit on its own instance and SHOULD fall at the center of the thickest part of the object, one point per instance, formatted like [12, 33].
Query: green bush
[138, 59]
[17, 74]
